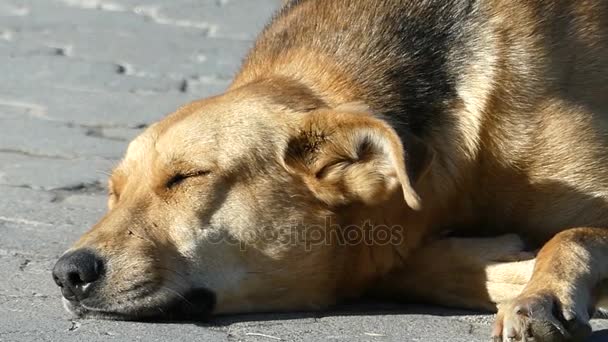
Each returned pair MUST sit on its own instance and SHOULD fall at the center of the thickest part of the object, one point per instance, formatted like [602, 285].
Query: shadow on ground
[356, 308]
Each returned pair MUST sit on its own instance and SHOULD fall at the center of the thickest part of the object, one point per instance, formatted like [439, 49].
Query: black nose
[75, 271]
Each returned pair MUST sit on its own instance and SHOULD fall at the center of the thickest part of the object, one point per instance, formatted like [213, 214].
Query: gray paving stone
[55, 140]
[90, 108]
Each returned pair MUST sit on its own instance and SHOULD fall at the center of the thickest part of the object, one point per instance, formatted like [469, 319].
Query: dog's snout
[75, 271]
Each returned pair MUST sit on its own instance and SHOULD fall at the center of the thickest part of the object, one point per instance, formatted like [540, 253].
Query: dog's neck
[385, 234]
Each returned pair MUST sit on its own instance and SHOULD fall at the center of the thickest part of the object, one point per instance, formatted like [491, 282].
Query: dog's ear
[346, 155]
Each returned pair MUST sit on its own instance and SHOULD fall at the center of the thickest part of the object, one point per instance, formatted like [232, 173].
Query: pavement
[78, 80]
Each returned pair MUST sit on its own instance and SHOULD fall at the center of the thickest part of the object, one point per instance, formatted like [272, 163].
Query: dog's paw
[539, 318]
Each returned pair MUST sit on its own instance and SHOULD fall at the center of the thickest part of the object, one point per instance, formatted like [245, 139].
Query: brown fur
[477, 117]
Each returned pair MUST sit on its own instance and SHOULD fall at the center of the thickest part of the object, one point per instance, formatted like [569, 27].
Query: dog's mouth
[196, 305]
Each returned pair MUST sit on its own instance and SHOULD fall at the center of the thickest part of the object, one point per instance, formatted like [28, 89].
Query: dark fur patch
[403, 55]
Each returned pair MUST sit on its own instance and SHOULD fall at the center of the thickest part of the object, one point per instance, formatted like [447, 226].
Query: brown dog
[356, 134]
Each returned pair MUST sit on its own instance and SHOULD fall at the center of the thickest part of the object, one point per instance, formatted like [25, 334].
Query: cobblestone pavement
[78, 80]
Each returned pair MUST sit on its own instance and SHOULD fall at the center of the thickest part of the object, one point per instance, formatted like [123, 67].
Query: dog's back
[401, 58]
[413, 58]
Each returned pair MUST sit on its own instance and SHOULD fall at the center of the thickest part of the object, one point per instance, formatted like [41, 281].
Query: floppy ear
[346, 155]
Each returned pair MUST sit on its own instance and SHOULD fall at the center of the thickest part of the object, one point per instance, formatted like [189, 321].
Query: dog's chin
[196, 305]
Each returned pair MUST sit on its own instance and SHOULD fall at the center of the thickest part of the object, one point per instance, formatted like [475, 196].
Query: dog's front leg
[562, 294]
[475, 273]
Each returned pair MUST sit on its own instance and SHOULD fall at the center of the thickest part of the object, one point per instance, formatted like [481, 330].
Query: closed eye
[180, 177]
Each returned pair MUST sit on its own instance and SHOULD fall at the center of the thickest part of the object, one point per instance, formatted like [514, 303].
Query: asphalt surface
[78, 80]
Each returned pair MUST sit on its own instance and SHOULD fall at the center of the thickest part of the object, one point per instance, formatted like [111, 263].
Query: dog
[356, 136]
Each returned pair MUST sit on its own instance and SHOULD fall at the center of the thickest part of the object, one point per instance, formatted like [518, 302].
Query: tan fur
[300, 141]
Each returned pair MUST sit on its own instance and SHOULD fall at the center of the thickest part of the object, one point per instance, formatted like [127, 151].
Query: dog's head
[244, 202]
